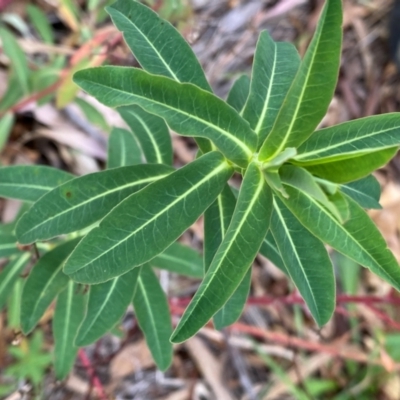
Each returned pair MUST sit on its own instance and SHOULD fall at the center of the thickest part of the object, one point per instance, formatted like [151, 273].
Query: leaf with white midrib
[180, 259]
[107, 304]
[311, 271]
[152, 312]
[44, 282]
[274, 67]
[187, 109]
[151, 132]
[30, 182]
[84, 201]
[122, 236]
[366, 192]
[10, 274]
[235, 255]
[365, 246]
[238, 93]
[351, 139]
[269, 249]
[68, 314]
[312, 89]
[171, 56]
[123, 149]
[8, 245]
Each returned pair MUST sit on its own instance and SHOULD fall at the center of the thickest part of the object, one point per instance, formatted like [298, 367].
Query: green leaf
[366, 192]
[364, 246]
[68, 315]
[10, 274]
[93, 115]
[310, 270]
[17, 58]
[216, 222]
[270, 250]
[107, 304]
[351, 139]
[41, 23]
[156, 44]
[239, 92]
[151, 132]
[233, 308]
[344, 171]
[180, 259]
[274, 67]
[310, 94]
[8, 245]
[187, 109]
[44, 283]
[123, 149]
[153, 315]
[6, 124]
[303, 180]
[238, 249]
[30, 182]
[84, 200]
[147, 222]
[14, 306]
[13, 94]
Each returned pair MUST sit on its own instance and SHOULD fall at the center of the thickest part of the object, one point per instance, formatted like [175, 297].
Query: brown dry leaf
[130, 359]
[391, 388]
[210, 367]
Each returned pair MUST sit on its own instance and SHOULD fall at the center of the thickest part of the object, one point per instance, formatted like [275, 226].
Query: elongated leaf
[270, 250]
[68, 315]
[351, 139]
[123, 149]
[311, 92]
[180, 259]
[17, 58]
[303, 180]
[216, 222]
[84, 200]
[306, 261]
[44, 283]
[239, 92]
[8, 245]
[238, 249]
[30, 182]
[107, 304]
[13, 93]
[14, 305]
[365, 246]
[151, 132]
[41, 23]
[233, 308]
[152, 312]
[366, 192]
[147, 222]
[274, 67]
[187, 109]
[344, 171]
[6, 124]
[93, 115]
[9, 276]
[157, 45]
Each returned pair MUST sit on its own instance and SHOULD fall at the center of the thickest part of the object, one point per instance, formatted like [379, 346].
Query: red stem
[92, 374]
[4, 4]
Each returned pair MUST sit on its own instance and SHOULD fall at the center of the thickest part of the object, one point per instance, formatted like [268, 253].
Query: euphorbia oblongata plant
[302, 188]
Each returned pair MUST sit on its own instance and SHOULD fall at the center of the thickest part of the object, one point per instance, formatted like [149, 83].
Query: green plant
[30, 362]
[301, 188]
